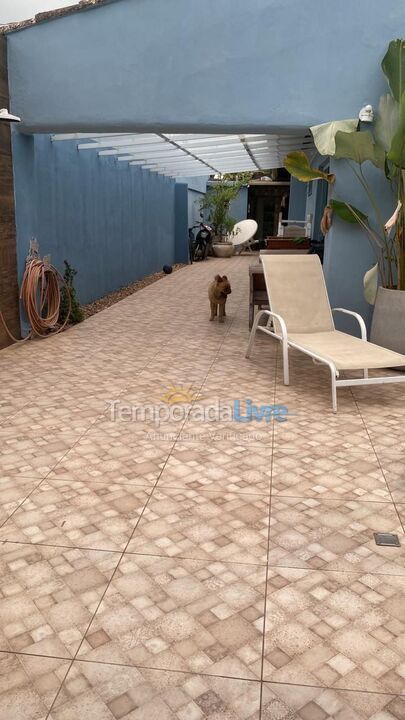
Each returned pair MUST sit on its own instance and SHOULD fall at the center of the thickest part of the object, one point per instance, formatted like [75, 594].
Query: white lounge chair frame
[286, 342]
[287, 226]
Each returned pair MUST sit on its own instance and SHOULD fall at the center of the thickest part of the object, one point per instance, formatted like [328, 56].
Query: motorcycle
[200, 244]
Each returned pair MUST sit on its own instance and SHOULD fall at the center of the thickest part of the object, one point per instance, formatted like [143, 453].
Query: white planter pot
[388, 326]
[223, 250]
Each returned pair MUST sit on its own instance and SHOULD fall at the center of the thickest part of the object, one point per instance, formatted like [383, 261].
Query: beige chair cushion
[296, 289]
[347, 352]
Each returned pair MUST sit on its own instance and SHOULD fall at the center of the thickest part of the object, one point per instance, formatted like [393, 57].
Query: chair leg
[286, 369]
[253, 333]
[334, 392]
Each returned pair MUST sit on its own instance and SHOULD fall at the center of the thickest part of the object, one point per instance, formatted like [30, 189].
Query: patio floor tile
[386, 431]
[13, 491]
[218, 525]
[67, 512]
[393, 467]
[334, 535]
[74, 416]
[48, 596]
[322, 434]
[100, 456]
[225, 464]
[107, 692]
[339, 630]
[28, 685]
[299, 702]
[176, 614]
[34, 453]
[329, 475]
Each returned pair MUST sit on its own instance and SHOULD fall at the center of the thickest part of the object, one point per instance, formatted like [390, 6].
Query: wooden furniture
[9, 303]
[257, 291]
[275, 242]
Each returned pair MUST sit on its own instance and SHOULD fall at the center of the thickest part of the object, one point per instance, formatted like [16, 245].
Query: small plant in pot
[216, 203]
[384, 147]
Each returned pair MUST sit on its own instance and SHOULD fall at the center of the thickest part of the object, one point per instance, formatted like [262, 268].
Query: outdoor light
[5, 116]
[366, 114]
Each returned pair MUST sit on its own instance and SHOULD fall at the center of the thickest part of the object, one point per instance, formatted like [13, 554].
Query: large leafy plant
[384, 147]
[217, 202]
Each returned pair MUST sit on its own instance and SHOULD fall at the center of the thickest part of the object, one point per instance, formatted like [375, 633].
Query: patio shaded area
[195, 569]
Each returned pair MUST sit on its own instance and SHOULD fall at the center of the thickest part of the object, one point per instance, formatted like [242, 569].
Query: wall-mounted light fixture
[5, 116]
[366, 114]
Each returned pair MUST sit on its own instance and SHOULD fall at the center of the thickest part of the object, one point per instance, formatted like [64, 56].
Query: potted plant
[384, 283]
[216, 203]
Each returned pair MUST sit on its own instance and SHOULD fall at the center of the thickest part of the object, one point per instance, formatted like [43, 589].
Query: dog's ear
[217, 278]
[224, 277]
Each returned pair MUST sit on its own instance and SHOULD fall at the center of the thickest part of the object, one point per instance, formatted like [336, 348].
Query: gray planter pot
[223, 250]
[388, 326]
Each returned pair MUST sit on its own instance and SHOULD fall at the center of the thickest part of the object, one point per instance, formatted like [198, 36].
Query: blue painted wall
[117, 67]
[238, 207]
[298, 200]
[181, 223]
[113, 222]
[194, 199]
[197, 187]
[348, 254]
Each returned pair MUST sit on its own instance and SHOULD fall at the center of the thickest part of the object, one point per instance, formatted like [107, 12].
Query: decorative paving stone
[332, 475]
[340, 630]
[190, 615]
[99, 691]
[104, 458]
[333, 535]
[13, 491]
[299, 702]
[214, 525]
[81, 514]
[28, 685]
[48, 596]
[228, 464]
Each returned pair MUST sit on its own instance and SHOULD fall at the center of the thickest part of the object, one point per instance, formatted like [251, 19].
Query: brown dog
[218, 291]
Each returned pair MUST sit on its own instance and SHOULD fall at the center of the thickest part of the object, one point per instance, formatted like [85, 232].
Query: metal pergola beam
[193, 154]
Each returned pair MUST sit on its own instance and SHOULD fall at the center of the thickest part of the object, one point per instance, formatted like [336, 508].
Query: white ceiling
[187, 155]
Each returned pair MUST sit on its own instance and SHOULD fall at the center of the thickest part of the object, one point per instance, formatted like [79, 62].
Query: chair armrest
[283, 326]
[359, 319]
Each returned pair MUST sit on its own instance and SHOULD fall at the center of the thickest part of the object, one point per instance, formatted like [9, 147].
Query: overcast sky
[12, 10]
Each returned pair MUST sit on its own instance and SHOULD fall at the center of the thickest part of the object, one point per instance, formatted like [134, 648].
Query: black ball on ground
[167, 269]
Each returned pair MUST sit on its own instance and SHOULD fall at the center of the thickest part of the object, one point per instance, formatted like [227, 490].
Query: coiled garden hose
[40, 296]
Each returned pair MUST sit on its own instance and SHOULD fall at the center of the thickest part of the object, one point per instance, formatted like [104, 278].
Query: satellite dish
[5, 116]
[242, 233]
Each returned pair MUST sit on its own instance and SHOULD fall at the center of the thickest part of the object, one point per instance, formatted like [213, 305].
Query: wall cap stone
[52, 14]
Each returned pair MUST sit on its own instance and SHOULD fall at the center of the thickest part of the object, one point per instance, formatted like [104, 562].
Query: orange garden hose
[40, 295]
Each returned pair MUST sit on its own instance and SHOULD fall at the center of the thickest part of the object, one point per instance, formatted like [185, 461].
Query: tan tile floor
[195, 570]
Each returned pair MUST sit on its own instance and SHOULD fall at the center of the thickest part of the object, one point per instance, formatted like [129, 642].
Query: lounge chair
[242, 234]
[300, 317]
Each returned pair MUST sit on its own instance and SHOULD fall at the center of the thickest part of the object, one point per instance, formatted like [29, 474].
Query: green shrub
[76, 313]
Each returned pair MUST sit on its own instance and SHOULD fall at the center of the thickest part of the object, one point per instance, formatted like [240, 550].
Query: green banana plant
[385, 148]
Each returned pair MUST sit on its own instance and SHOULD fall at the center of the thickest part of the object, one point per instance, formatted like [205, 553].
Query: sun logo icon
[177, 395]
